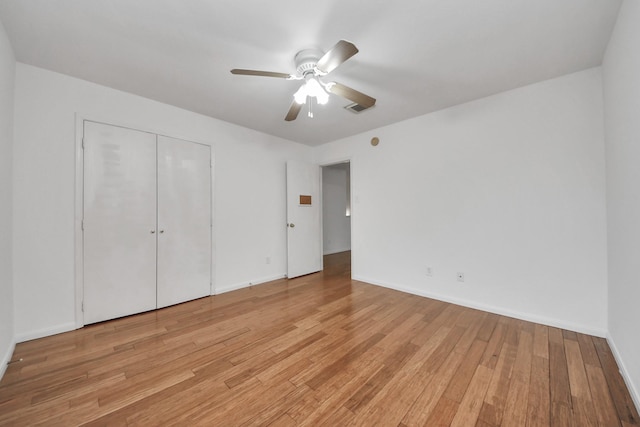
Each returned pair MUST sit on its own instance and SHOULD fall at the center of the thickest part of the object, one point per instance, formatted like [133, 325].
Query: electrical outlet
[460, 277]
[429, 271]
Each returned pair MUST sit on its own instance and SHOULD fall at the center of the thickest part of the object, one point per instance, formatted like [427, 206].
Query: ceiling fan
[311, 66]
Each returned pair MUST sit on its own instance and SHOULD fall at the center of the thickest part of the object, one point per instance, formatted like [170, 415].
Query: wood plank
[602, 401]
[351, 354]
[493, 408]
[392, 365]
[431, 389]
[625, 407]
[580, 393]
[284, 420]
[273, 412]
[395, 399]
[588, 351]
[443, 413]
[569, 335]
[515, 410]
[494, 346]
[558, 372]
[469, 408]
[459, 384]
[488, 326]
[539, 406]
[522, 365]
[541, 341]
[331, 398]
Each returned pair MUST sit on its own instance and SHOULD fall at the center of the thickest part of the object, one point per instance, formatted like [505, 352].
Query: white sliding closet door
[119, 222]
[184, 221]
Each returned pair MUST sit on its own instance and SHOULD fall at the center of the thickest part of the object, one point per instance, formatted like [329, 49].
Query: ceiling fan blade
[260, 73]
[294, 110]
[342, 51]
[352, 95]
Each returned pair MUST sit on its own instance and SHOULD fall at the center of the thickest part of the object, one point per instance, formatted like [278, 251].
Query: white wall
[621, 76]
[249, 191]
[509, 190]
[336, 226]
[7, 77]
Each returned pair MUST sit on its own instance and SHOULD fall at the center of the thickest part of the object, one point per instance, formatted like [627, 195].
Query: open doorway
[336, 216]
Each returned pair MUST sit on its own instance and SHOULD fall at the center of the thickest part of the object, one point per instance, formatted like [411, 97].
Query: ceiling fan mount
[311, 65]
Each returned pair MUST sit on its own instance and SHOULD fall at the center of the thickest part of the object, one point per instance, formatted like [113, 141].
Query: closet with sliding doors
[146, 221]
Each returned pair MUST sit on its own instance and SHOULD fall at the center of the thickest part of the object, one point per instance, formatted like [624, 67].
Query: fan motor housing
[306, 60]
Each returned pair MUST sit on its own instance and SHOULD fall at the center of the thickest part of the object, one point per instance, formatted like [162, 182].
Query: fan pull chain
[310, 102]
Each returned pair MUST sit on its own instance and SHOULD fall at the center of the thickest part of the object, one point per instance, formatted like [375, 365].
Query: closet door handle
[161, 231]
[153, 231]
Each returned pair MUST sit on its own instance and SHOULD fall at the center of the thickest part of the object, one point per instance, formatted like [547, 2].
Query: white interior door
[119, 222]
[304, 243]
[184, 221]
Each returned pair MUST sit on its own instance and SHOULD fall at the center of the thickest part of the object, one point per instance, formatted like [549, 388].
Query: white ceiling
[416, 56]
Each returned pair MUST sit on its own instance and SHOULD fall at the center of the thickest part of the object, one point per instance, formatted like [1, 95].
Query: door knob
[292, 225]
[161, 231]
[153, 231]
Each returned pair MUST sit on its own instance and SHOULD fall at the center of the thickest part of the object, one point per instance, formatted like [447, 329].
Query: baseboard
[492, 309]
[633, 390]
[235, 287]
[7, 358]
[66, 327]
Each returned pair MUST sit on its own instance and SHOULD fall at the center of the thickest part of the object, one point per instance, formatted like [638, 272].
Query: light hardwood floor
[317, 350]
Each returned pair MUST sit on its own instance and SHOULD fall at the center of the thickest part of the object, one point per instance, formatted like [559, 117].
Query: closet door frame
[79, 195]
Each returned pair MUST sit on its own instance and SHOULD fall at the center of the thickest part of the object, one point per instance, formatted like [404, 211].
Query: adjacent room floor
[317, 350]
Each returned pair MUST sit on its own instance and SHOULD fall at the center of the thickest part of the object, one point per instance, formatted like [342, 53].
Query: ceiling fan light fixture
[311, 65]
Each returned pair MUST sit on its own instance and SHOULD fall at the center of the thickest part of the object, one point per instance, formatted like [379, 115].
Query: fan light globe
[314, 89]
[301, 95]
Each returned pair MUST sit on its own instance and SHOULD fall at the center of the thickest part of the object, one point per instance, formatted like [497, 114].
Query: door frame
[79, 202]
[351, 200]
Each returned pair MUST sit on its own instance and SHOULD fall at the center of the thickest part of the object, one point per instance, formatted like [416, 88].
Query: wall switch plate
[429, 271]
[268, 260]
[460, 277]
